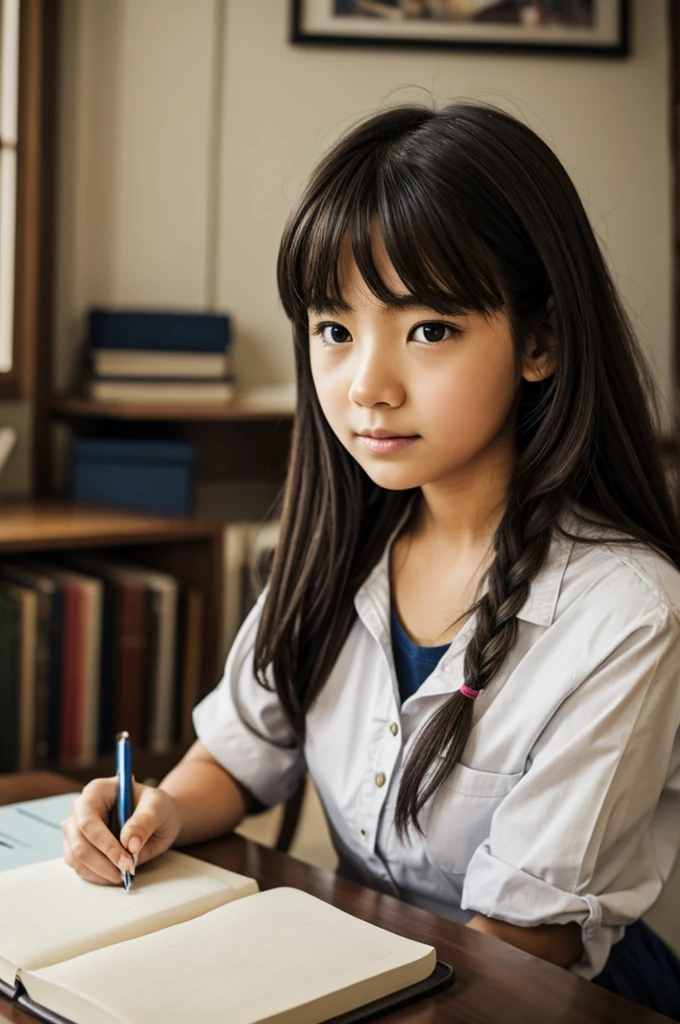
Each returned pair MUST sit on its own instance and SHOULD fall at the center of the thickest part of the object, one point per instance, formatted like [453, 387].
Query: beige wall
[155, 160]
[284, 105]
[134, 164]
[189, 126]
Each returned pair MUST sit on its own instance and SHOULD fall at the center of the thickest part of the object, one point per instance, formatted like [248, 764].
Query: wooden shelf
[249, 439]
[268, 403]
[57, 525]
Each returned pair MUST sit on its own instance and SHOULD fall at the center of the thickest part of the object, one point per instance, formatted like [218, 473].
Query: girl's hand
[94, 852]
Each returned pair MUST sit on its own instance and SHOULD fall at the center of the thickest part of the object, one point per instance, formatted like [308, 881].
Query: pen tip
[126, 880]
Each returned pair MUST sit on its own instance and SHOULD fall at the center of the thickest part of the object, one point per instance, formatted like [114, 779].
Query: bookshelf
[189, 549]
[245, 439]
[249, 439]
[263, 404]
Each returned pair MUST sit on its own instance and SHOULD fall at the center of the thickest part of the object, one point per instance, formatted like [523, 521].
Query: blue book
[158, 331]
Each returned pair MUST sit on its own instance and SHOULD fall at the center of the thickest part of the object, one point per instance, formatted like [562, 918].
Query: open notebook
[192, 941]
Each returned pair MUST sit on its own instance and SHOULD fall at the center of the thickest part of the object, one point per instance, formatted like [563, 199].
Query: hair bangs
[433, 250]
[309, 256]
[447, 271]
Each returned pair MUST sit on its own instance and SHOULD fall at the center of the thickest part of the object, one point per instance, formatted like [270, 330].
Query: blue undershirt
[412, 662]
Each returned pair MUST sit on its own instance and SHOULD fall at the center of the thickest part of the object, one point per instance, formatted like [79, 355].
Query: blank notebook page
[254, 960]
[50, 914]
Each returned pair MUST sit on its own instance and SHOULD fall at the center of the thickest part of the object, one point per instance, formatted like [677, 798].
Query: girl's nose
[375, 381]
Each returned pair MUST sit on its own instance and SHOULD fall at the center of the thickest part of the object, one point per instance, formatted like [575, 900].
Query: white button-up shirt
[565, 805]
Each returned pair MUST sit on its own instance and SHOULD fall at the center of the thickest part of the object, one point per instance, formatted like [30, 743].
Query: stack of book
[158, 356]
[90, 646]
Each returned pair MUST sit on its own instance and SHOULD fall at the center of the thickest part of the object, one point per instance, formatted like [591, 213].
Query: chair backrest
[291, 817]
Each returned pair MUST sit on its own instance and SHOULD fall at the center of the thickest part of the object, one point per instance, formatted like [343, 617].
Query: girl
[469, 634]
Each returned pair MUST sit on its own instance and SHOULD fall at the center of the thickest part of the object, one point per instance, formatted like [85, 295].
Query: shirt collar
[544, 589]
[372, 599]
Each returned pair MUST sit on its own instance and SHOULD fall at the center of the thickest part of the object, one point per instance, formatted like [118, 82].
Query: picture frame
[598, 28]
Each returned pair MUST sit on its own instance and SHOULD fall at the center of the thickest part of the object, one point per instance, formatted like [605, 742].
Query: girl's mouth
[387, 445]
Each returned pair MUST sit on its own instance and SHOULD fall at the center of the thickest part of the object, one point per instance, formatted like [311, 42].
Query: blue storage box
[140, 474]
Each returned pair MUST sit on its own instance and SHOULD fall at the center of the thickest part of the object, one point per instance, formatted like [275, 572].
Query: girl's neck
[463, 514]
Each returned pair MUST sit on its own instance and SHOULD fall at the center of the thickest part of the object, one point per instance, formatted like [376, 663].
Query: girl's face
[448, 383]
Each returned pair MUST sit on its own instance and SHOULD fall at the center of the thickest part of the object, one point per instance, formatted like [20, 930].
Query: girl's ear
[539, 349]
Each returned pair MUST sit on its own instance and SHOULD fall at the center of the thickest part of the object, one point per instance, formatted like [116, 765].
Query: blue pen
[124, 773]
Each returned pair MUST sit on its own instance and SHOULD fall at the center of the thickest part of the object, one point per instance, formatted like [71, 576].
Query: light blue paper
[30, 831]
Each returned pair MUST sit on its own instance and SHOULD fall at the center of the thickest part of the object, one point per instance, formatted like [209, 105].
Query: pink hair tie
[467, 691]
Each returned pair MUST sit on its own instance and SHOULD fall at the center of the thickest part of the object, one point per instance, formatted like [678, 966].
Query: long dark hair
[477, 214]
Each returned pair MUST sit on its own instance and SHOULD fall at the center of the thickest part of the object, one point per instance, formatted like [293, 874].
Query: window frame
[34, 201]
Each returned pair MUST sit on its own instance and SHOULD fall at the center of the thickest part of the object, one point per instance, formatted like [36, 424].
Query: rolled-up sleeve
[245, 728]
[591, 830]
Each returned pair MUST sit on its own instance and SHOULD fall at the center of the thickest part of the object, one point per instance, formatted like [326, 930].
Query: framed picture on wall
[595, 27]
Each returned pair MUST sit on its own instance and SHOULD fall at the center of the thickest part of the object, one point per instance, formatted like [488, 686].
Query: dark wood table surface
[495, 982]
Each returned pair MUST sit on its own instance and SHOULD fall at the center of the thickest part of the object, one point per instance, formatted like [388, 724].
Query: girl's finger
[91, 815]
[85, 858]
[89, 876]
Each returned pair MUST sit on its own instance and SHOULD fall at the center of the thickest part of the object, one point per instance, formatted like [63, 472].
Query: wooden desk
[496, 983]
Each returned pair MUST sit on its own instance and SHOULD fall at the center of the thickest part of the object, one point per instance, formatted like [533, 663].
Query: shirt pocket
[460, 813]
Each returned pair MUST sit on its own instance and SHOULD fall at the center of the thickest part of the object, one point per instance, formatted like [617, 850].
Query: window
[9, 108]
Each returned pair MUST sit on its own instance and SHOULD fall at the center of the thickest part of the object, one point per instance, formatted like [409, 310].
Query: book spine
[9, 683]
[180, 647]
[27, 674]
[107, 378]
[41, 747]
[154, 613]
[106, 742]
[72, 695]
[15, 648]
[151, 331]
[165, 391]
[91, 694]
[57, 644]
[166, 671]
[106, 363]
[130, 702]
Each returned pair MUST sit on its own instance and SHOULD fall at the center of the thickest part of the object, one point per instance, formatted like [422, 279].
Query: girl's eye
[336, 335]
[434, 331]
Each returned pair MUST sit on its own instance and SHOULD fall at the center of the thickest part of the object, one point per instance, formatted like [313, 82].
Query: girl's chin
[393, 478]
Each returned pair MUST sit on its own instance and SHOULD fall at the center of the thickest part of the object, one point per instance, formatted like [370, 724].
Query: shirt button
[380, 779]
[394, 728]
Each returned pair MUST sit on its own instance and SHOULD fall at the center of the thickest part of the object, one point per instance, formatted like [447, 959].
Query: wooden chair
[291, 817]
[262, 555]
